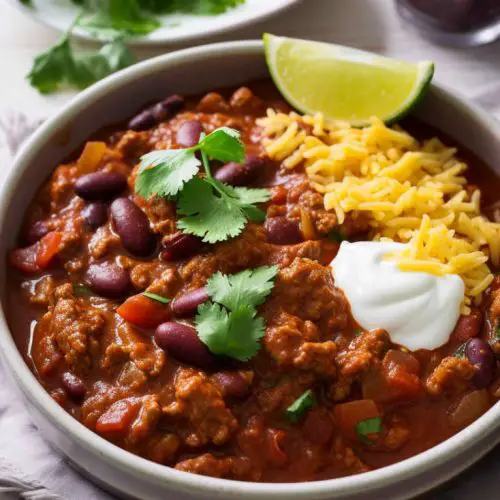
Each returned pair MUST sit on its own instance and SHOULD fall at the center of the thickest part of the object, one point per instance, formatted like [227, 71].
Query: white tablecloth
[28, 467]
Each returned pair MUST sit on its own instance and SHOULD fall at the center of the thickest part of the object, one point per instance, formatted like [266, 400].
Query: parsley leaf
[229, 324]
[366, 427]
[164, 173]
[250, 287]
[156, 297]
[296, 411]
[59, 66]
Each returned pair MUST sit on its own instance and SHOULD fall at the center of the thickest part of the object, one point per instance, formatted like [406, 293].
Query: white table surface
[366, 24]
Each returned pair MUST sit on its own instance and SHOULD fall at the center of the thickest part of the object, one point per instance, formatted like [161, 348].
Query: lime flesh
[344, 83]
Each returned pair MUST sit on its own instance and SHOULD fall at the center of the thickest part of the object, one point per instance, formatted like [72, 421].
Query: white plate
[59, 14]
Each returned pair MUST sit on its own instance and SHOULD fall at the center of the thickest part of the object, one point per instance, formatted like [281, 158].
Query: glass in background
[461, 23]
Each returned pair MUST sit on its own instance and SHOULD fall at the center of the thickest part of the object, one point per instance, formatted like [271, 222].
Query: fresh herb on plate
[156, 297]
[367, 427]
[60, 66]
[297, 410]
[212, 210]
[200, 7]
[229, 325]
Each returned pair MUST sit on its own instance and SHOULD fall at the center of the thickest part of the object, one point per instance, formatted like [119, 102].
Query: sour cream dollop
[418, 310]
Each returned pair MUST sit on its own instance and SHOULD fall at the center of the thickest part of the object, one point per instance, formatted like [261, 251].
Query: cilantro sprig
[297, 410]
[367, 427]
[229, 324]
[212, 210]
[60, 66]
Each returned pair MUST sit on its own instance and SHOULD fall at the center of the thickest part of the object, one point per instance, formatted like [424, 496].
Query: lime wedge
[344, 83]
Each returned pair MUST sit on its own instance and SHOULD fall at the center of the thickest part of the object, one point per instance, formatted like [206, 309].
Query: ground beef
[74, 327]
[294, 343]
[305, 289]
[452, 374]
[364, 351]
[228, 468]
[200, 402]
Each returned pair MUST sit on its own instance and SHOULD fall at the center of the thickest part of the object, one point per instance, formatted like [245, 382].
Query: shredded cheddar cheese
[412, 192]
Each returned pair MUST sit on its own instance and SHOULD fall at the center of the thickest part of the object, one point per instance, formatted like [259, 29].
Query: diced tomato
[468, 326]
[49, 247]
[36, 257]
[348, 415]
[274, 452]
[143, 311]
[397, 380]
[118, 417]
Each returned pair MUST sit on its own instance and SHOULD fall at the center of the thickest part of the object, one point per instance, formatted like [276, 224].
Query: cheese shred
[413, 192]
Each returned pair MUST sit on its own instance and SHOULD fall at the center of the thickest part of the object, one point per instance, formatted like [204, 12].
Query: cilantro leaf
[249, 287]
[59, 66]
[366, 427]
[52, 67]
[295, 412]
[208, 214]
[123, 16]
[460, 352]
[223, 144]
[236, 334]
[165, 172]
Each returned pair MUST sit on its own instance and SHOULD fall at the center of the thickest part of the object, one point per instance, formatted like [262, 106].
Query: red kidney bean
[37, 231]
[187, 304]
[100, 186]
[157, 113]
[481, 356]
[108, 280]
[95, 214]
[231, 384]
[241, 174]
[74, 387]
[468, 326]
[188, 134]
[132, 225]
[282, 231]
[180, 246]
[183, 343]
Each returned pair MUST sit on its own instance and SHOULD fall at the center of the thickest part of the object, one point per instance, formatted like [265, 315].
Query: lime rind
[320, 51]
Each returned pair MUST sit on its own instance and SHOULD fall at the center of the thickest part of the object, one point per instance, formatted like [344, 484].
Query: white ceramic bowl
[118, 97]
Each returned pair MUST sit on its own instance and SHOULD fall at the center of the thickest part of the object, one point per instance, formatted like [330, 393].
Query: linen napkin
[31, 470]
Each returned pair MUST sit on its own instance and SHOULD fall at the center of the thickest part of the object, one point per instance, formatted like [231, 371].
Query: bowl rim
[159, 474]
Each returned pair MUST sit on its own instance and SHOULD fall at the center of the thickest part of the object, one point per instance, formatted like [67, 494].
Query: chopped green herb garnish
[300, 406]
[229, 324]
[337, 235]
[81, 290]
[460, 352]
[367, 427]
[497, 331]
[158, 298]
[211, 209]
[358, 332]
